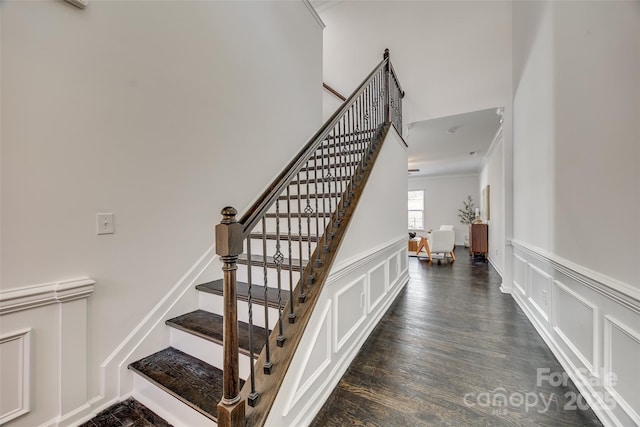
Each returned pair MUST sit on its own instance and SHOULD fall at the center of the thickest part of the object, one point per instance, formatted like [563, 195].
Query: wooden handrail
[250, 219]
[333, 91]
[352, 137]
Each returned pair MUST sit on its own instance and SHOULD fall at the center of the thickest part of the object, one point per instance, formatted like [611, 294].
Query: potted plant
[467, 215]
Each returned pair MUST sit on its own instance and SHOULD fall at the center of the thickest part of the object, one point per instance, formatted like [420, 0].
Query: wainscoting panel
[576, 323]
[394, 269]
[350, 310]
[15, 361]
[540, 291]
[316, 359]
[622, 365]
[592, 325]
[377, 279]
[520, 266]
[356, 296]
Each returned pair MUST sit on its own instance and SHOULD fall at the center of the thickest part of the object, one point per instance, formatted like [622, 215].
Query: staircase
[227, 360]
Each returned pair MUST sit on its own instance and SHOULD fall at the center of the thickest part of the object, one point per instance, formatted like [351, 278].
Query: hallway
[453, 350]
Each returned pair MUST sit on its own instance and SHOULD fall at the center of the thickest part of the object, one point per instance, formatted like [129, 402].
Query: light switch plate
[104, 223]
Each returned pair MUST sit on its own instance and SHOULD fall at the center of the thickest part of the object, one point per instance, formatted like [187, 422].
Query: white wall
[138, 108]
[452, 57]
[369, 271]
[576, 192]
[492, 174]
[576, 133]
[443, 196]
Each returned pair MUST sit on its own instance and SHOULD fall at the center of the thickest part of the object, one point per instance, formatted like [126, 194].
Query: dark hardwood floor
[454, 351]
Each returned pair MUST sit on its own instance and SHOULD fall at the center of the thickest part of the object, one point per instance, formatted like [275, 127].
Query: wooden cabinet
[479, 240]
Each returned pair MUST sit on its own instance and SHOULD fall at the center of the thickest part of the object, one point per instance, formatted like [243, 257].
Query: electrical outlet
[104, 223]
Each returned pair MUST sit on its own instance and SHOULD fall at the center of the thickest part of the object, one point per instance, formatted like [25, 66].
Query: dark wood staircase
[276, 259]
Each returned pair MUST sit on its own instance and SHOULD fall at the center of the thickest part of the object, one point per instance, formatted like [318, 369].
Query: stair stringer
[369, 271]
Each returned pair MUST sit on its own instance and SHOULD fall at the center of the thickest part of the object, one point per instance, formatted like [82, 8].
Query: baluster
[231, 409]
[292, 315]
[303, 295]
[268, 366]
[339, 210]
[387, 83]
[278, 258]
[253, 395]
[315, 184]
[308, 210]
[325, 194]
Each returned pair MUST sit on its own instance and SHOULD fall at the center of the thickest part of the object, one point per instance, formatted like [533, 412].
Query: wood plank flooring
[453, 351]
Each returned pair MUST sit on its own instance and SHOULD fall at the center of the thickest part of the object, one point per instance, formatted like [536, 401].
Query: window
[416, 210]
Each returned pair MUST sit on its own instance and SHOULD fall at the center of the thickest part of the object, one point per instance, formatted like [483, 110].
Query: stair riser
[168, 407]
[207, 351]
[214, 303]
[257, 276]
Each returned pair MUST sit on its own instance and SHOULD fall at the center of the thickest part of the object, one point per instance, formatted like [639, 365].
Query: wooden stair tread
[210, 326]
[242, 291]
[258, 260]
[189, 379]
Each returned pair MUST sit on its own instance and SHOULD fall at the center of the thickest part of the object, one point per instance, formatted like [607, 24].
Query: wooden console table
[479, 240]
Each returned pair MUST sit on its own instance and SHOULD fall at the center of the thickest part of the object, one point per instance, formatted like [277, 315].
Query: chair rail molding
[20, 299]
[590, 322]
[52, 317]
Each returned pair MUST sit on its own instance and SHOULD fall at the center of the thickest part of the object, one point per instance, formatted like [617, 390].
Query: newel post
[387, 87]
[231, 409]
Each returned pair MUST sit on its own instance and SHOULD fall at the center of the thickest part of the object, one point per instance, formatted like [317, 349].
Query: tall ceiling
[452, 144]
[453, 59]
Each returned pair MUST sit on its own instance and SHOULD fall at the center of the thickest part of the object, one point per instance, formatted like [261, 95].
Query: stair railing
[307, 202]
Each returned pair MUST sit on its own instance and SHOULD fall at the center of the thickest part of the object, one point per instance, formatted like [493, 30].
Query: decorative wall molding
[591, 363]
[313, 12]
[78, 3]
[588, 356]
[149, 335]
[607, 286]
[20, 299]
[352, 264]
[610, 371]
[306, 388]
[16, 347]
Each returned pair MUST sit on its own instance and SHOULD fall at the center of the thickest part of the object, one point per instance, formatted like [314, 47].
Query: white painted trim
[301, 389]
[116, 381]
[610, 322]
[340, 341]
[324, 390]
[592, 364]
[24, 374]
[607, 286]
[371, 305]
[81, 4]
[313, 13]
[20, 299]
[582, 384]
[494, 143]
[352, 264]
[495, 267]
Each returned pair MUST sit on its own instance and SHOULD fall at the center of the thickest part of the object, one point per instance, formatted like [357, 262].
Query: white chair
[442, 242]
